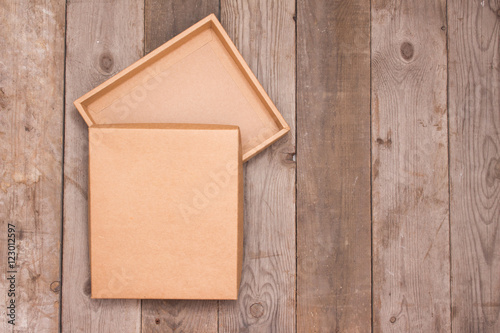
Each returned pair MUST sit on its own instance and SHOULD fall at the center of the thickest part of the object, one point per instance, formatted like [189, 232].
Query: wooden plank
[474, 109]
[31, 120]
[264, 33]
[411, 263]
[102, 38]
[333, 156]
[164, 20]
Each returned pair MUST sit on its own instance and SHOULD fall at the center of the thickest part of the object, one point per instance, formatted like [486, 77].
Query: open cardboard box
[197, 77]
[165, 211]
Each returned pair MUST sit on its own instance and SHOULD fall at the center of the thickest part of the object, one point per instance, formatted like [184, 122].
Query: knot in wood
[106, 62]
[87, 288]
[55, 286]
[256, 310]
[407, 51]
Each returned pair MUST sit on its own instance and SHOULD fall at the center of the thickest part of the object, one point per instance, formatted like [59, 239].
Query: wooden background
[380, 211]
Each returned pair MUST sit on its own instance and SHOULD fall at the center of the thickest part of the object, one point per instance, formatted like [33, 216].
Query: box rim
[233, 52]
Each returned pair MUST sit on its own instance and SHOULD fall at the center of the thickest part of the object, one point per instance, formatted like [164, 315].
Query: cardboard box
[196, 77]
[165, 211]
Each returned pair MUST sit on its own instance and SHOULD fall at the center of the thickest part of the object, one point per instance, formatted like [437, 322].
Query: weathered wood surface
[101, 39]
[474, 109]
[31, 127]
[325, 71]
[164, 20]
[411, 262]
[333, 165]
[264, 33]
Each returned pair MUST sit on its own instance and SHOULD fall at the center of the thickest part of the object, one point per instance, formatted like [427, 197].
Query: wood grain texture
[31, 120]
[264, 33]
[102, 38]
[474, 109]
[333, 165]
[411, 263]
[164, 20]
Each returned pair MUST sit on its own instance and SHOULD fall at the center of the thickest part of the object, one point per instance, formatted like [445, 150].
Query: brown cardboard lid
[197, 77]
[165, 211]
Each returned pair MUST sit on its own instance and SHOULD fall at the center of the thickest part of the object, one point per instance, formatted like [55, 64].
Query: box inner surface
[196, 80]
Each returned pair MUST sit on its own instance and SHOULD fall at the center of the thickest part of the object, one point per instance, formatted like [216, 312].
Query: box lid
[196, 77]
[165, 211]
